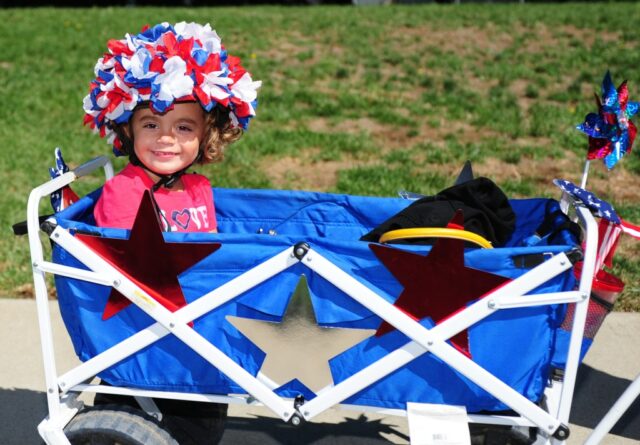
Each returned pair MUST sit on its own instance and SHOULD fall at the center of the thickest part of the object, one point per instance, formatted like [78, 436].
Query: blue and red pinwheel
[64, 197]
[611, 131]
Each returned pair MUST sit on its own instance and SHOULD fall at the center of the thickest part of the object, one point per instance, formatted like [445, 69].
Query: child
[168, 98]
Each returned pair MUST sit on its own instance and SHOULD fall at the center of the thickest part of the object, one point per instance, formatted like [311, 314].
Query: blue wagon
[287, 271]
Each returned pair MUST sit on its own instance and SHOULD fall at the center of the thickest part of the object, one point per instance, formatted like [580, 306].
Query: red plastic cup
[605, 285]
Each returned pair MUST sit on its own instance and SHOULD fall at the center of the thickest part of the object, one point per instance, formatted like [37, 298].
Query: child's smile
[167, 143]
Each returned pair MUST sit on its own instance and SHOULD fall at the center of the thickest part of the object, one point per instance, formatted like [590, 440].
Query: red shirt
[189, 210]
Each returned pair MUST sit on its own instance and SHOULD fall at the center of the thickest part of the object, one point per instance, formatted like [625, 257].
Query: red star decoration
[147, 260]
[436, 285]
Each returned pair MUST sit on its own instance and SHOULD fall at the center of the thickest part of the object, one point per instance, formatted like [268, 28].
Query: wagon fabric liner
[517, 345]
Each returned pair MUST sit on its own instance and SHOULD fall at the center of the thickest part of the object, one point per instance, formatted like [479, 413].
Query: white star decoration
[297, 347]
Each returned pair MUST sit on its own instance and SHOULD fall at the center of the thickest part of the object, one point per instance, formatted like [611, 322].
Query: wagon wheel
[189, 423]
[435, 232]
[113, 424]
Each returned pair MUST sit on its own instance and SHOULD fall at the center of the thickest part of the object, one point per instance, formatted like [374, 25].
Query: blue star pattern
[601, 208]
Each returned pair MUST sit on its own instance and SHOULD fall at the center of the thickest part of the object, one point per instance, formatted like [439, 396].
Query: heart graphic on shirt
[181, 218]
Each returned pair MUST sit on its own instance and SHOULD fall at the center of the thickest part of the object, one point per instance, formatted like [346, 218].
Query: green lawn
[365, 100]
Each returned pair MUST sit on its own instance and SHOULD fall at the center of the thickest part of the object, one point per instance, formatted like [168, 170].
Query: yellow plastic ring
[435, 232]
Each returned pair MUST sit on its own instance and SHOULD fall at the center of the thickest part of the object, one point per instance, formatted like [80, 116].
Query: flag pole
[585, 174]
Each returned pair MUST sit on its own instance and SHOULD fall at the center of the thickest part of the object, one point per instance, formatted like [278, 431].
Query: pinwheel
[611, 131]
[64, 197]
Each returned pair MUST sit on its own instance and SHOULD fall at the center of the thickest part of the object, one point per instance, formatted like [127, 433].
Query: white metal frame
[62, 390]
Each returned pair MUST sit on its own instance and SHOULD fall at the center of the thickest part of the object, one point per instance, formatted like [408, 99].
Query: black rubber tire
[189, 423]
[116, 424]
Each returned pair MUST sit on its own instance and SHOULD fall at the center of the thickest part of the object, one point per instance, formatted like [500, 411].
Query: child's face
[167, 143]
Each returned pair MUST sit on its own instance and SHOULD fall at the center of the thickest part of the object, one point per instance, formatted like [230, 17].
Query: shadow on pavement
[261, 430]
[21, 410]
[596, 392]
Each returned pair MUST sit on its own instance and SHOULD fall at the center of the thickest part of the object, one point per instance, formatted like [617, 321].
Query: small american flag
[601, 208]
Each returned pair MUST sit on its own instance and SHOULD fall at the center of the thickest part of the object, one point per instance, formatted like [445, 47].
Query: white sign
[438, 424]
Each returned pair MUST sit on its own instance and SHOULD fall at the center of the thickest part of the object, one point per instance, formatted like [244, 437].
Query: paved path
[610, 365]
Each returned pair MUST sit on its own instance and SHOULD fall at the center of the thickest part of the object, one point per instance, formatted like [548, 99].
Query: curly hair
[218, 136]
[219, 133]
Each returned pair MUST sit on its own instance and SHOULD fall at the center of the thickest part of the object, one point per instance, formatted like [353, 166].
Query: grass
[372, 100]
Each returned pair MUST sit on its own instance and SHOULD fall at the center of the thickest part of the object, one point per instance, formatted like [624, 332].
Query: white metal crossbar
[431, 340]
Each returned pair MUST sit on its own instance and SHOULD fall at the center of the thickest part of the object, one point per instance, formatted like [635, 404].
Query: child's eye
[184, 128]
[149, 125]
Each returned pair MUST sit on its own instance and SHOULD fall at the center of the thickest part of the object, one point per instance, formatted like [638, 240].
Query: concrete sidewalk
[610, 365]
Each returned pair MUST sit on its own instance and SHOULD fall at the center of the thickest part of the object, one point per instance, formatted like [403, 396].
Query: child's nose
[166, 137]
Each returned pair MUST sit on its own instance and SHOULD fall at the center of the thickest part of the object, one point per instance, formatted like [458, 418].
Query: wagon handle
[435, 232]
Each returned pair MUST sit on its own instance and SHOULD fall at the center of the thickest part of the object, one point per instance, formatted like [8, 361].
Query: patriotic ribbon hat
[163, 65]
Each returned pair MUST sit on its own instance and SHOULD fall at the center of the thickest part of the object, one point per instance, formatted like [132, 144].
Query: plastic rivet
[116, 283]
